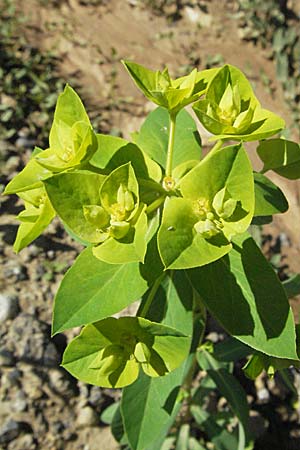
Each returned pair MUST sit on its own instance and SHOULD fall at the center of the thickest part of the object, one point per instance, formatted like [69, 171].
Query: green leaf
[108, 414]
[149, 407]
[110, 352]
[179, 245]
[119, 193]
[30, 177]
[231, 350]
[128, 249]
[70, 193]
[231, 110]
[34, 219]
[244, 294]
[218, 195]
[117, 428]
[220, 437]
[153, 137]
[162, 90]
[69, 110]
[88, 292]
[269, 199]
[227, 384]
[281, 156]
[114, 152]
[183, 438]
[172, 302]
[73, 147]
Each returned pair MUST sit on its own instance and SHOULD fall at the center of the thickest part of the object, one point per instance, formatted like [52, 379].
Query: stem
[143, 309]
[217, 146]
[170, 145]
[156, 204]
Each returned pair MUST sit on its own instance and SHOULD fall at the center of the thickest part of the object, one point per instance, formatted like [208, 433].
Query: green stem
[156, 204]
[170, 145]
[217, 145]
[143, 309]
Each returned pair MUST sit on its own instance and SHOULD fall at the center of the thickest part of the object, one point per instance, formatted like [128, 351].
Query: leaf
[129, 249]
[183, 438]
[119, 183]
[88, 291]
[269, 199]
[114, 152]
[180, 247]
[34, 219]
[220, 437]
[117, 428]
[153, 137]
[162, 90]
[231, 110]
[70, 193]
[149, 407]
[227, 384]
[231, 350]
[110, 353]
[69, 110]
[172, 302]
[223, 178]
[30, 177]
[108, 414]
[73, 147]
[244, 294]
[281, 156]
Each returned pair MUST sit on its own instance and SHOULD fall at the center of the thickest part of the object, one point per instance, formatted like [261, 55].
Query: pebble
[19, 402]
[18, 271]
[25, 442]
[87, 417]
[9, 307]
[7, 358]
[96, 396]
[30, 338]
[9, 431]
[60, 383]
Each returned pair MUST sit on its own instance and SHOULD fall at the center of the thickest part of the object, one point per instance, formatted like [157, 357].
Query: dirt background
[41, 407]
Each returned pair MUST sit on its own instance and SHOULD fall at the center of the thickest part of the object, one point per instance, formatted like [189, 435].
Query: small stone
[51, 356]
[7, 358]
[19, 403]
[9, 431]
[25, 442]
[263, 395]
[87, 417]
[32, 385]
[60, 383]
[9, 307]
[11, 378]
[29, 337]
[95, 397]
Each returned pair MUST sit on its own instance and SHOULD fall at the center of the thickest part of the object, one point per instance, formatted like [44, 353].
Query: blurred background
[47, 43]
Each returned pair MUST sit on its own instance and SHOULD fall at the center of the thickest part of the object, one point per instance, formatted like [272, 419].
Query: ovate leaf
[153, 137]
[269, 199]
[281, 156]
[30, 177]
[88, 291]
[244, 294]
[149, 407]
[72, 194]
[111, 352]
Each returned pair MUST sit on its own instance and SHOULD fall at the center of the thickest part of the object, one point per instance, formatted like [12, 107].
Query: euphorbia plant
[168, 227]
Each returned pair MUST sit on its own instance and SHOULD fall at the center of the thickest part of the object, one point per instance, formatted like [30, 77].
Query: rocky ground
[41, 406]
